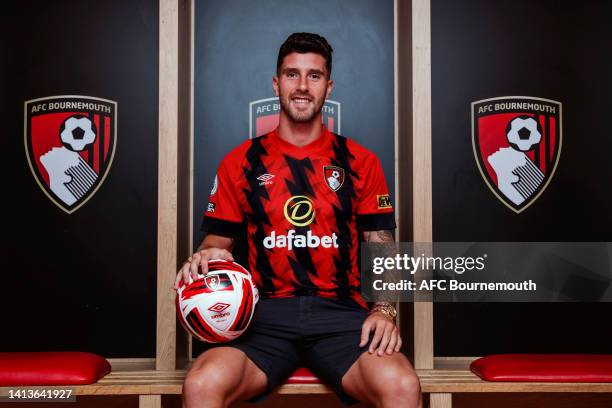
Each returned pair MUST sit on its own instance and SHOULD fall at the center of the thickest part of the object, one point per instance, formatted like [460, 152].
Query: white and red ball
[218, 307]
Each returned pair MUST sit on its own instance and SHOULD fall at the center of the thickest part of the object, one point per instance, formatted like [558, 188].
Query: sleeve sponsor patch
[383, 201]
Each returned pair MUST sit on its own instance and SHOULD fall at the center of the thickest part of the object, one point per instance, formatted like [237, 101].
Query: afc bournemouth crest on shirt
[334, 177]
[70, 142]
[517, 144]
[264, 114]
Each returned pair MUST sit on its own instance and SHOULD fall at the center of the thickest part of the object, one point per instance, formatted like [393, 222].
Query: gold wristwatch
[386, 309]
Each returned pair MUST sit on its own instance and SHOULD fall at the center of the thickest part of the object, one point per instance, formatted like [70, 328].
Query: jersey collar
[300, 152]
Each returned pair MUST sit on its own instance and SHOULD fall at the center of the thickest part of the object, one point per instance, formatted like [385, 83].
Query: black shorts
[322, 334]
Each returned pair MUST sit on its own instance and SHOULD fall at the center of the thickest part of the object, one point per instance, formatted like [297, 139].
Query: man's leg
[332, 351]
[384, 381]
[221, 376]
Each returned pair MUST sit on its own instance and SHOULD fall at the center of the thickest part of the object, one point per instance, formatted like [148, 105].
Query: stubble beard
[301, 116]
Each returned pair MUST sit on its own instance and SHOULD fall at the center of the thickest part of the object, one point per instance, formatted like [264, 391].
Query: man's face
[302, 85]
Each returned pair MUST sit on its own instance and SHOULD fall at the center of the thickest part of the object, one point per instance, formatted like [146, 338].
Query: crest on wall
[70, 143]
[517, 144]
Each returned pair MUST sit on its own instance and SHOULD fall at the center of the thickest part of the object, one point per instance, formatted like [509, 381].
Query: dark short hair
[303, 43]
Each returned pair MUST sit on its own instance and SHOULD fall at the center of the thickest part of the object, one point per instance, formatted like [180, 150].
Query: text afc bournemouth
[453, 285]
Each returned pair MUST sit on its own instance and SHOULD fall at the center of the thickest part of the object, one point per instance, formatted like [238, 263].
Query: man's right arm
[212, 247]
[223, 219]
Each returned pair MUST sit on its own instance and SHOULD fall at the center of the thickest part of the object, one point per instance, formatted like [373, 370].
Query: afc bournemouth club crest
[218, 282]
[264, 113]
[70, 142]
[334, 177]
[517, 143]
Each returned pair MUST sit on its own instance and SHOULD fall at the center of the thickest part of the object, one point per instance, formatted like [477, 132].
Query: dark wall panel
[236, 45]
[559, 50]
[85, 281]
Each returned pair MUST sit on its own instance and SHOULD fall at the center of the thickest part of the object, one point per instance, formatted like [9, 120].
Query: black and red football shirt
[303, 208]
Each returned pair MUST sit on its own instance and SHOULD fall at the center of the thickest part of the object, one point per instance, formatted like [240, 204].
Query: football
[77, 132]
[523, 133]
[218, 307]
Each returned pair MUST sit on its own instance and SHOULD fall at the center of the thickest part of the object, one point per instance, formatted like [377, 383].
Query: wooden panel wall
[421, 159]
[168, 171]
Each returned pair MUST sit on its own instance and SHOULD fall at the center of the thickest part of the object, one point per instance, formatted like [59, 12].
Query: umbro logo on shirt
[265, 179]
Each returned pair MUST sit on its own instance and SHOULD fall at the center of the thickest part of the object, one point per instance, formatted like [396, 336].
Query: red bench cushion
[303, 376]
[51, 368]
[544, 367]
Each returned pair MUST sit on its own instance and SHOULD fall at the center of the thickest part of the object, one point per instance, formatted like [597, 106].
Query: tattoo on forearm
[385, 236]
[379, 236]
[382, 244]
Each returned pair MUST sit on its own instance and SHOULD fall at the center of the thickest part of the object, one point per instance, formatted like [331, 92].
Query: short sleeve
[223, 215]
[374, 209]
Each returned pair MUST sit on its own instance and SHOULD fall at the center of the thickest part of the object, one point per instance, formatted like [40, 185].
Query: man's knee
[400, 383]
[408, 384]
[207, 380]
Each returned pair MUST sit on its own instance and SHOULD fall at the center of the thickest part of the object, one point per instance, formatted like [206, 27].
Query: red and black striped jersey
[303, 208]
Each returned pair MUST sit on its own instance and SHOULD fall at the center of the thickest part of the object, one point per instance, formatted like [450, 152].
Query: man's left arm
[381, 321]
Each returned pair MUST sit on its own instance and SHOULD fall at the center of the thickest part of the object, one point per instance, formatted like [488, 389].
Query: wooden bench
[448, 378]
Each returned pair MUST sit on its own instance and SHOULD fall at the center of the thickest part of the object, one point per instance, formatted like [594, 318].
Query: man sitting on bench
[320, 191]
